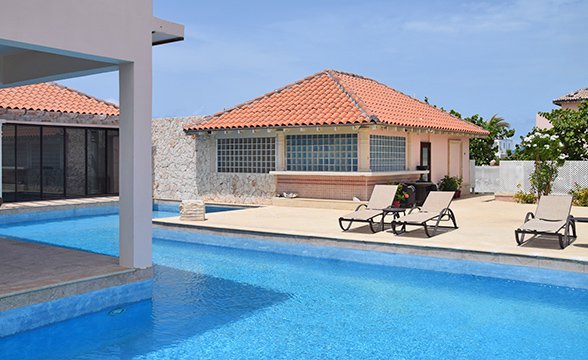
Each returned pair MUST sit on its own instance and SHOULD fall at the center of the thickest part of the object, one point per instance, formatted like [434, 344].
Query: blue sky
[505, 57]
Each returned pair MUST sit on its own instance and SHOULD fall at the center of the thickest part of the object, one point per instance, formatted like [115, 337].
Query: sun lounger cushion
[543, 225]
[362, 215]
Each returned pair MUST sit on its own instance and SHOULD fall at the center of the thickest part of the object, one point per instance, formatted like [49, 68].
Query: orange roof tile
[54, 97]
[336, 98]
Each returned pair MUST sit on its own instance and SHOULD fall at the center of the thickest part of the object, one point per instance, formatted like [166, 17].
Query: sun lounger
[382, 197]
[551, 217]
[435, 208]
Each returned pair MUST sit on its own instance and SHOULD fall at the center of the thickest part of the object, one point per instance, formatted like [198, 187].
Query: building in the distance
[332, 135]
[504, 146]
[569, 101]
[57, 142]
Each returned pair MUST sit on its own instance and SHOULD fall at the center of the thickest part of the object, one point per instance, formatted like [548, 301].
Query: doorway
[426, 160]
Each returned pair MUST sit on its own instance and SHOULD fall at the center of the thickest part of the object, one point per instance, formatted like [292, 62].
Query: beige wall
[572, 105]
[440, 159]
[541, 122]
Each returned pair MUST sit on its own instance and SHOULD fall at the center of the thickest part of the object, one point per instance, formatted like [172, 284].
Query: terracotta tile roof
[54, 97]
[335, 98]
[578, 95]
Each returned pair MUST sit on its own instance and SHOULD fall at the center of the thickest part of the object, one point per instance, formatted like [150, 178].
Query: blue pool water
[214, 302]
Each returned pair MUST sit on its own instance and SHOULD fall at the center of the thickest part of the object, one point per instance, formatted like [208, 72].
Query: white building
[504, 146]
[70, 38]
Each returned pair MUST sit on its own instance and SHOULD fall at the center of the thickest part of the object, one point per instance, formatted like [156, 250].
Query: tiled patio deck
[31, 273]
[486, 233]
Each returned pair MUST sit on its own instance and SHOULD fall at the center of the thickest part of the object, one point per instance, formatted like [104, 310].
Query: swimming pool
[218, 302]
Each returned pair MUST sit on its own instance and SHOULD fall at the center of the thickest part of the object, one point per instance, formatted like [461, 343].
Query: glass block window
[387, 153]
[246, 155]
[321, 152]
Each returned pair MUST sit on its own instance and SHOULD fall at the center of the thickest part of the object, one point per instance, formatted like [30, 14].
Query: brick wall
[336, 187]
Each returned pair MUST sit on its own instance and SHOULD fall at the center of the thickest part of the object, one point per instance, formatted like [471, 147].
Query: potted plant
[451, 183]
[400, 196]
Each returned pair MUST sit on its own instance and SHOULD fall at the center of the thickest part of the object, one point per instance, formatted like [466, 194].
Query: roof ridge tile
[354, 99]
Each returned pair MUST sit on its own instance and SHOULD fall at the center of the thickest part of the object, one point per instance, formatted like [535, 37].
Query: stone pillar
[135, 163]
[280, 151]
[363, 150]
[192, 210]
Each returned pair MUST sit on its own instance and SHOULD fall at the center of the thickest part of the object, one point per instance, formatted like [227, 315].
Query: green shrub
[522, 197]
[401, 194]
[580, 195]
[450, 183]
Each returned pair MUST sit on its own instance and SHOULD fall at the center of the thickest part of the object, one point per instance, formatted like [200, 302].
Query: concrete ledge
[45, 313]
[317, 203]
[66, 289]
[496, 258]
[52, 205]
[504, 197]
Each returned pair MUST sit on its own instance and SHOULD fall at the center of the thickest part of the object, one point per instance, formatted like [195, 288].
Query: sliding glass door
[8, 162]
[75, 168]
[28, 162]
[53, 172]
[52, 162]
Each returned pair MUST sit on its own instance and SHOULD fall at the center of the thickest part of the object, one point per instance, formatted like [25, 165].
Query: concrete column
[135, 163]
[1, 123]
[281, 151]
[363, 149]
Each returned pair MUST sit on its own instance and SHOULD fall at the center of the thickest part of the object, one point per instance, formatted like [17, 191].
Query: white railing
[505, 177]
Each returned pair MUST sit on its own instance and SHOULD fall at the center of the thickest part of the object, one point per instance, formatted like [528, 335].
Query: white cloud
[495, 16]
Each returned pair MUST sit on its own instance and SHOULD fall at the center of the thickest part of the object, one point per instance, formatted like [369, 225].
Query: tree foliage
[571, 126]
[484, 150]
[546, 150]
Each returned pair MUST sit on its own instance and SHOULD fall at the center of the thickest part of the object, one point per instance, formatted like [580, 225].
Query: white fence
[505, 177]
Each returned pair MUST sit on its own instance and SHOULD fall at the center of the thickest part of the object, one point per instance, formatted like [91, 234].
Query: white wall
[48, 40]
[503, 179]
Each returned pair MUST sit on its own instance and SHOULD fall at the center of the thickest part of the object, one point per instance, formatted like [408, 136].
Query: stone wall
[174, 159]
[57, 117]
[184, 169]
[229, 187]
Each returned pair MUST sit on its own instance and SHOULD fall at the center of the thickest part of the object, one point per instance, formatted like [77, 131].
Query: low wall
[336, 187]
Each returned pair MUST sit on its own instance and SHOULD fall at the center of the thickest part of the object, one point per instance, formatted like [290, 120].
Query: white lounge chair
[551, 217]
[435, 208]
[381, 198]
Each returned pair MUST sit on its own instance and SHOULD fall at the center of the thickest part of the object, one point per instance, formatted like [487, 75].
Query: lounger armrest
[359, 206]
[443, 212]
[529, 216]
[414, 208]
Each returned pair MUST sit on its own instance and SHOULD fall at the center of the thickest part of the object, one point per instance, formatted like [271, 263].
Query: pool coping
[502, 258]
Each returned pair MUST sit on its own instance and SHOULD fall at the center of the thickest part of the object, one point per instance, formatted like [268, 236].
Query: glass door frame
[426, 146]
[65, 128]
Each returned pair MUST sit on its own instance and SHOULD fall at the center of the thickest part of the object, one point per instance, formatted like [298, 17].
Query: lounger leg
[342, 226]
[563, 239]
[521, 239]
[426, 229]
[452, 217]
[372, 226]
[393, 225]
